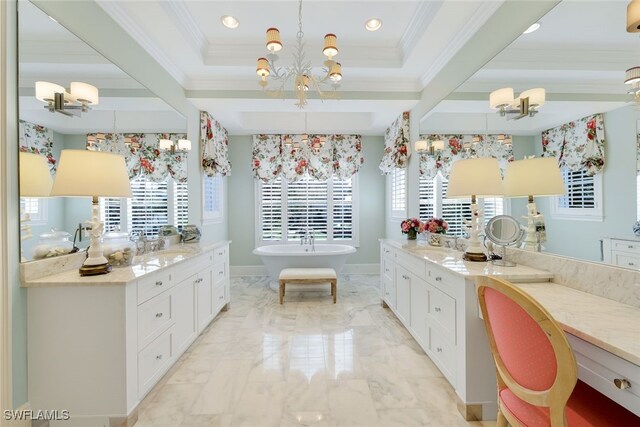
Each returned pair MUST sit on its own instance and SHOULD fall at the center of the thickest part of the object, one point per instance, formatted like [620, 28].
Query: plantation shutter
[580, 190]
[271, 209]
[181, 204]
[454, 212]
[342, 209]
[492, 206]
[427, 191]
[149, 207]
[399, 192]
[110, 213]
[307, 208]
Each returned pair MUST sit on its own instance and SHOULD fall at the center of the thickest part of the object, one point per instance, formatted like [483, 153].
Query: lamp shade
[46, 92]
[501, 97]
[533, 177]
[438, 145]
[273, 40]
[84, 92]
[91, 173]
[536, 96]
[330, 45]
[184, 144]
[633, 16]
[421, 146]
[475, 177]
[35, 178]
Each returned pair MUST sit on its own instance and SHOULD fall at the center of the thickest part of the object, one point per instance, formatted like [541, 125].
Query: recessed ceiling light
[229, 21]
[532, 28]
[373, 24]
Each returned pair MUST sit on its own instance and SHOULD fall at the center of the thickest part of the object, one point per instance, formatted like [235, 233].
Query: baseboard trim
[260, 270]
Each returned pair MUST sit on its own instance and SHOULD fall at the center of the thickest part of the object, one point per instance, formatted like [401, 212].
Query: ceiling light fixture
[373, 24]
[180, 145]
[301, 71]
[527, 104]
[78, 100]
[632, 78]
[229, 21]
[532, 28]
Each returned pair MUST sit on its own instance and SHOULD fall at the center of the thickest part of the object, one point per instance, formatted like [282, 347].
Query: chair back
[531, 352]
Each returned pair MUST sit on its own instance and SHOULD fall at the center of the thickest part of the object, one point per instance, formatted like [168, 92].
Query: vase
[435, 240]
[412, 234]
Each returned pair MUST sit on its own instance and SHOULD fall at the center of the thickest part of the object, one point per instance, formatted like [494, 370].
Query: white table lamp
[35, 181]
[84, 173]
[533, 177]
[477, 177]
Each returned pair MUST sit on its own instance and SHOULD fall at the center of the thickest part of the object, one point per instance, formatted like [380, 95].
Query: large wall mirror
[579, 56]
[127, 119]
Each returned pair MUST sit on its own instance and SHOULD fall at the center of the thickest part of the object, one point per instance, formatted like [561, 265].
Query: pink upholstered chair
[537, 373]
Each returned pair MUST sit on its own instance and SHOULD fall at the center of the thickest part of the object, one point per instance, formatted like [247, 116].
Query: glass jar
[118, 248]
[52, 244]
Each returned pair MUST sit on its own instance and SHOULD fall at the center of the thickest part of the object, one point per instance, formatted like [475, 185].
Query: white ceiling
[579, 55]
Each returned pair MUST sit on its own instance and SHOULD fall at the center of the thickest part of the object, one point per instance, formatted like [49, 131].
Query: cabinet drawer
[388, 291]
[625, 246]
[442, 351]
[149, 287]
[185, 270]
[442, 310]
[388, 251]
[153, 361]
[440, 278]
[600, 369]
[625, 259]
[413, 264]
[154, 316]
[219, 272]
[220, 254]
[387, 267]
[219, 294]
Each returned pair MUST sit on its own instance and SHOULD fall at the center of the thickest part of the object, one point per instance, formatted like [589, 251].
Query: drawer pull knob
[438, 309]
[630, 246]
[386, 269]
[158, 314]
[631, 263]
[438, 279]
[439, 349]
[159, 357]
[221, 296]
[159, 283]
[622, 383]
[220, 273]
[405, 277]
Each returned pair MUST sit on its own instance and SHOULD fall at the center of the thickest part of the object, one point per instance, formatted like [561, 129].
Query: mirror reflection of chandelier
[314, 144]
[300, 73]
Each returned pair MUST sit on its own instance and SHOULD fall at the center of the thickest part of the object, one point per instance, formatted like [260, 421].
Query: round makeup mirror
[504, 230]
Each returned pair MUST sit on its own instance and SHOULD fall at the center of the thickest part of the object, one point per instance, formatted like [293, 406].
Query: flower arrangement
[411, 226]
[435, 225]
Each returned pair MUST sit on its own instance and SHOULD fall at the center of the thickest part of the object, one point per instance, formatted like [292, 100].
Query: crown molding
[477, 20]
[420, 21]
[563, 58]
[178, 11]
[118, 14]
[343, 95]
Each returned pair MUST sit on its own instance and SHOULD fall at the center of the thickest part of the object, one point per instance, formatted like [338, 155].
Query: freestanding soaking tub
[277, 257]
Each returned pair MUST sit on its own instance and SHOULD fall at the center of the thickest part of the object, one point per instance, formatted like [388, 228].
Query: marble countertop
[451, 259]
[608, 324]
[142, 266]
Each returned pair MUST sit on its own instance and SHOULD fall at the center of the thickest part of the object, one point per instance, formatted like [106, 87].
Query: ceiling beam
[550, 97]
[290, 95]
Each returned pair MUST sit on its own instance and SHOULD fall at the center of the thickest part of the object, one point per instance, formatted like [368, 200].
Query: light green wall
[522, 146]
[581, 239]
[242, 202]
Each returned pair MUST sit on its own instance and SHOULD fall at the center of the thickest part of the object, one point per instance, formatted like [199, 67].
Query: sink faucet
[308, 239]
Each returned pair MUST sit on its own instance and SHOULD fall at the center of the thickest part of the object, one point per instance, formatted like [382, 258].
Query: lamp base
[475, 257]
[94, 270]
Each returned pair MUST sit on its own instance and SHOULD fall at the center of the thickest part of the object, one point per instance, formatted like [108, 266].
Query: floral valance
[38, 140]
[214, 140]
[396, 145]
[458, 147]
[143, 155]
[577, 145]
[340, 156]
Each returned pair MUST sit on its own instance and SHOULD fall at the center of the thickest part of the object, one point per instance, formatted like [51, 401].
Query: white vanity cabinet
[621, 252]
[97, 350]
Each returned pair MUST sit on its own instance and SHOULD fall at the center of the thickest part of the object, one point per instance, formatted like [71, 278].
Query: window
[399, 193]
[287, 209]
[153, 204]
[36, 208]
[583, 199]
[212, 199]
[433, 203]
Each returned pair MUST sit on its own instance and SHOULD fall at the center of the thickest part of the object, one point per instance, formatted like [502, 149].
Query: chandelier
[300, 73]
[632, 78]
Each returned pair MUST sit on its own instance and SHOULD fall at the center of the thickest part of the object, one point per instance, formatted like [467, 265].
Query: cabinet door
[419, 303]
[185, 328]
[403, 295]
[205, 296]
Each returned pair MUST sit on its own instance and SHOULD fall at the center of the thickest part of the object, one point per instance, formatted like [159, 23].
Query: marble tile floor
[305, 363]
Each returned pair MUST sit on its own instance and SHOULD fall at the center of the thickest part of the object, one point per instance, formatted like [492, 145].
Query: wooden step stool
[305, 276]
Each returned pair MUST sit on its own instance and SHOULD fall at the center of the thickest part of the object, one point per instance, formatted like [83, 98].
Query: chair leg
[501, 421]
[281, 291]
[334, 289]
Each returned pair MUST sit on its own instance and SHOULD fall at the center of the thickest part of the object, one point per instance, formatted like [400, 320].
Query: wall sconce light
[78, 100]
[183, 145]
[423, 146]
[504, 139]
[527, 104]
